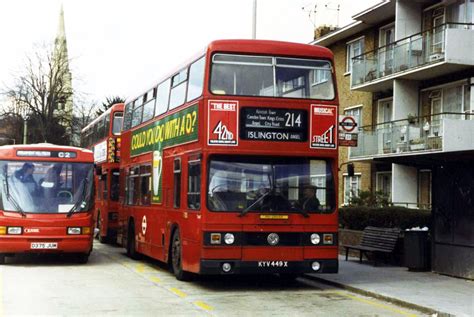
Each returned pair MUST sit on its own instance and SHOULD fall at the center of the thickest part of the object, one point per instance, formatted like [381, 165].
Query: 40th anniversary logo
[179, 128]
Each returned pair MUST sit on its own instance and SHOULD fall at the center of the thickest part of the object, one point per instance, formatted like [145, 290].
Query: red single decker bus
[102, 136]
[230, 162]
[46, 199]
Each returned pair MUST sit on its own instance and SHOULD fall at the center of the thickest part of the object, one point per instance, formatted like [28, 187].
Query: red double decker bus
[230, 162]
[46, 199]
[102, 136]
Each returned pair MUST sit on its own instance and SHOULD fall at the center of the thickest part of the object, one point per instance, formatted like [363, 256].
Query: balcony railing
[404, 136]
[418, 50]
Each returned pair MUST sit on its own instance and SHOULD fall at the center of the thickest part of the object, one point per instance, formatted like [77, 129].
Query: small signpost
[348, 130]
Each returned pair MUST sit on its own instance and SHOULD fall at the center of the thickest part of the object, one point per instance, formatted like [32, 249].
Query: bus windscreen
[242, 75]
[275, 185]
[45, 187]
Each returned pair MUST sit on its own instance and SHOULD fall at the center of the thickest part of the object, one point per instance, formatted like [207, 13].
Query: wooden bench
[375, 240]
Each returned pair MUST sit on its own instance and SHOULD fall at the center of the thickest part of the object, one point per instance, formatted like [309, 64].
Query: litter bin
[417, 250]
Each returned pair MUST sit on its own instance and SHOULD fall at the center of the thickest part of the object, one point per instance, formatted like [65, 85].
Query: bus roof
[117, 106]
[9, 151]
[270, 48]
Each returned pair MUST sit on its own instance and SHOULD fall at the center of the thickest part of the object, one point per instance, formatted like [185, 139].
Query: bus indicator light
[3, 230]
[215, 238]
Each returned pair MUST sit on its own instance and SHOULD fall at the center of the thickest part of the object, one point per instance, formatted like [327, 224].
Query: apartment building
[407, 67]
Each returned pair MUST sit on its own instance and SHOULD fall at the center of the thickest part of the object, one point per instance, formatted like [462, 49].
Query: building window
[354, 48]
[424, 189]
[383, 184]
[355, 112]
[351, 188]
[194, 184]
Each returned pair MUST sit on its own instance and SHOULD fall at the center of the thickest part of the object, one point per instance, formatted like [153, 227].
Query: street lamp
[25, 113]
[254, 20]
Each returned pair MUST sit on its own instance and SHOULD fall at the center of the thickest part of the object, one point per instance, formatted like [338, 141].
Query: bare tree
[42, 94]
[84, 113]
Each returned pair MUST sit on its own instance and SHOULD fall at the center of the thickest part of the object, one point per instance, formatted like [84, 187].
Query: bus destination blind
[271, 124]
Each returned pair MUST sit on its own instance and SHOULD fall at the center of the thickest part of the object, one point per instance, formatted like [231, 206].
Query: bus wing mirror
[350, 170]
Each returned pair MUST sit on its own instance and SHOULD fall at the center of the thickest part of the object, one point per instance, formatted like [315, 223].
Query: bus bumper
[216, 267]
[77, 244]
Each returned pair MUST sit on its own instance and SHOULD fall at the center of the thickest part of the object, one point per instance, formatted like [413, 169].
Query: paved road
[113, 284]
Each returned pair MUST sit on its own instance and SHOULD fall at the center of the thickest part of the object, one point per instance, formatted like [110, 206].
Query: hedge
[357, 218]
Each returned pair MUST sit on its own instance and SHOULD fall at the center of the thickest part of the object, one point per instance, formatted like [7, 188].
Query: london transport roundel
[348, 124]
[144, 225]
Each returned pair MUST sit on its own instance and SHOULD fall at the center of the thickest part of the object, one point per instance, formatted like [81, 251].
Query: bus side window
[177, 183]
[194, 184]
[162, 97]
[196, 79]
[145, 175]
[105, 188]
[178, 89]
[115, 185]
[133, 193]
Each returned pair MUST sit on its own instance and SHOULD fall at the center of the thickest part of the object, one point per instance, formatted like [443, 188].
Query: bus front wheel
[176, 258]
[82, 258]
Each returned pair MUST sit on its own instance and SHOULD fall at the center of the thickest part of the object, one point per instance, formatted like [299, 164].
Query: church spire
[61, 35]
[61, 58]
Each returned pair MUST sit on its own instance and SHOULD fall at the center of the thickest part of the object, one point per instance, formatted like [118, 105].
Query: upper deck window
[267, 76]
[162, 97]
[196, 79]
[117, 124]
[178, 89]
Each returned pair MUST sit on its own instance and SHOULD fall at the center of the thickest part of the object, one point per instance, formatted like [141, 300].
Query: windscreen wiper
[10, 197]
[81, 202]
[246, 210]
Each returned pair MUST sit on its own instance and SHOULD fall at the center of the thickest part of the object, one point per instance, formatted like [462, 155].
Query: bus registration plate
[44, 245]
[272, 263]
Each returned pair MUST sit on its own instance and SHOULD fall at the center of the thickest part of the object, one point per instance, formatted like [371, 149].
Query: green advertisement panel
[179, 128]
[157, 183]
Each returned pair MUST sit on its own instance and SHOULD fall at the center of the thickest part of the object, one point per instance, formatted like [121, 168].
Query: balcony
[443, 132]
[432, 53]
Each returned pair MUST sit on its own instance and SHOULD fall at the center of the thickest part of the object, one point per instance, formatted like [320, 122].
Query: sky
[122, 47]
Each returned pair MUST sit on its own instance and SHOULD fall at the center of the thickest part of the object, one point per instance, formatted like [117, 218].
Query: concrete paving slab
[421, 290]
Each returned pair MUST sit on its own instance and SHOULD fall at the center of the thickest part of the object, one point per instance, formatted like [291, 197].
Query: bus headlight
[315, 238]
[74, 230]
[14, 230]
[229, 238]
[315, 266]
